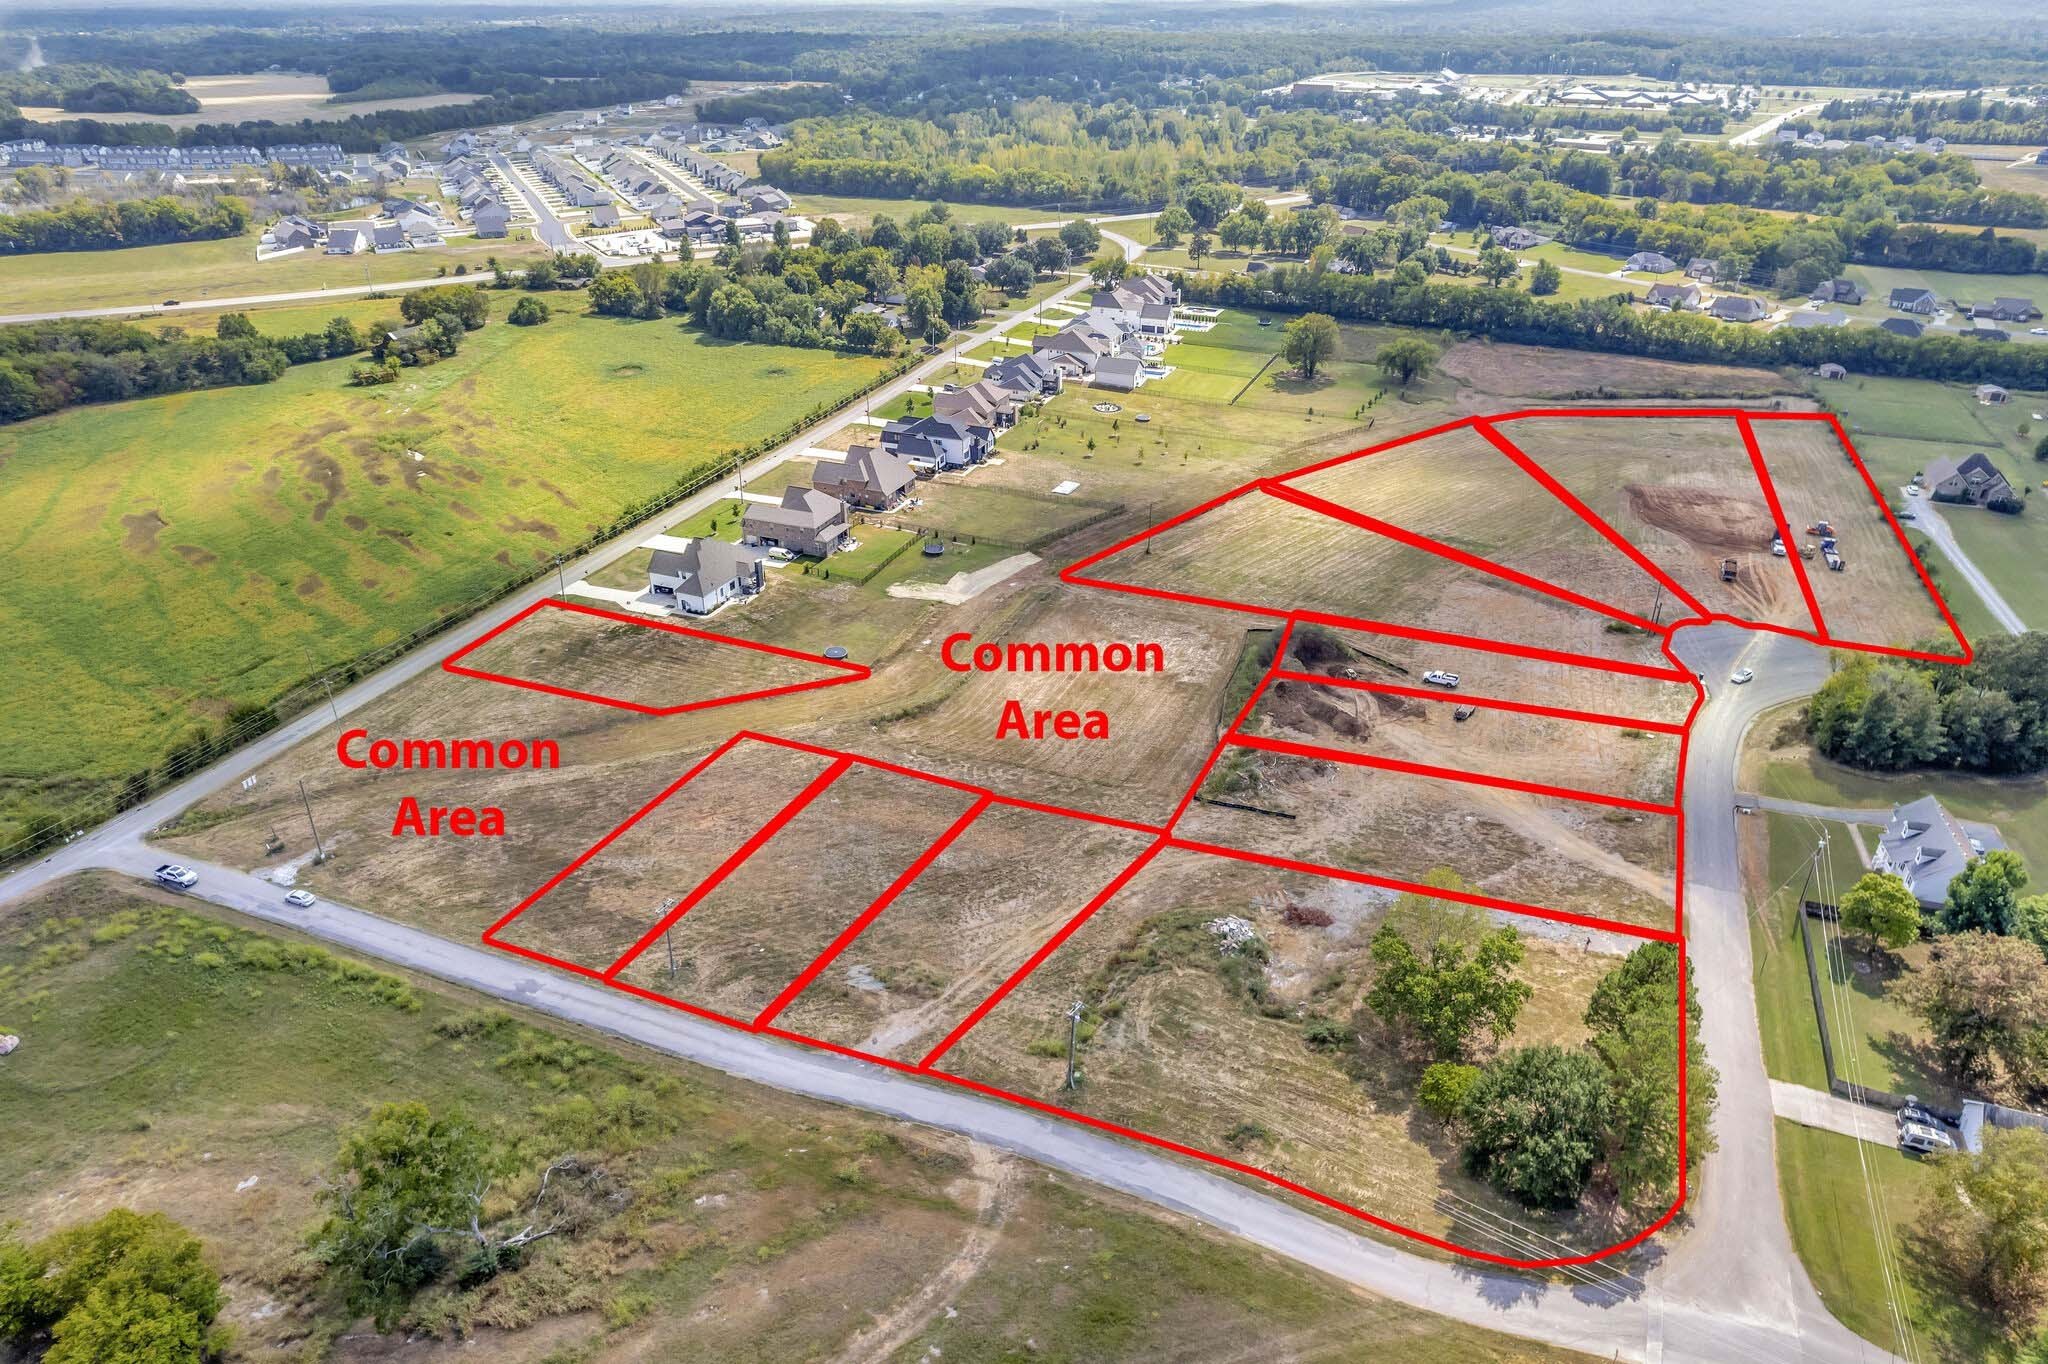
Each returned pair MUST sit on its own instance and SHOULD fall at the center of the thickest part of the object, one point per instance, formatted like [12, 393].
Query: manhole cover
[1109, 407]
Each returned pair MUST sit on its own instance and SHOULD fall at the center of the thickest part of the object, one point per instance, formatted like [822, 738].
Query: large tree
[1633, 1013]
[1985, 1000]
[1537, 1124]
[1406, 360]
[1985, 894]
[125, 1288]
[1449, 998]
[1174, 223]
[1987, 1220]
[1309, 341]
[1879, 909]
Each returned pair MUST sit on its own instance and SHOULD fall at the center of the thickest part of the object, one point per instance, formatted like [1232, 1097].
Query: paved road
[1771, 125]
[1927, 515]
[551, 230]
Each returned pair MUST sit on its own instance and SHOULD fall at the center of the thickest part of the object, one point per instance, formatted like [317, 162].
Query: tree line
[89, 225]
[48, 366]
[91, 88]
[1406, 298]
[1893, 715]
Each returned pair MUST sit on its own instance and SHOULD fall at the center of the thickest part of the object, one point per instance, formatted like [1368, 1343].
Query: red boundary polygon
[846, 671]
[1165, 838]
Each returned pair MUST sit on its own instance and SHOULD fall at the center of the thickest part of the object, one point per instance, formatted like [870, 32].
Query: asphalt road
[215, 304]
[551, 230]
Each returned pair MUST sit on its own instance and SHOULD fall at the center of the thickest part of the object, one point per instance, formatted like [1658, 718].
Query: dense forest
[84, 88]
[1894, 714]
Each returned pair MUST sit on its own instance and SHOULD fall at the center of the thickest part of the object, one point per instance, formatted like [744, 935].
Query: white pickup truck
[171, 874]
[1437, 677]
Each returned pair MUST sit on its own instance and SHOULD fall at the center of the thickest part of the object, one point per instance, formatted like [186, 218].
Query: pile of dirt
[1313, 710]
[1703, 517]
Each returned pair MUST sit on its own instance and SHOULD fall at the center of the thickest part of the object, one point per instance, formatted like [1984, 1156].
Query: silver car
[1925, 1139]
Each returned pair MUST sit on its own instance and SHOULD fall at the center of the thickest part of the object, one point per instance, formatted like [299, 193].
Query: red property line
[1290, 749]
[1763, 478]
[1046, 949]
[1483, 702]
[1441, 550]
[850, 672]
[731, 864]
[867, 916]
[1565, 495]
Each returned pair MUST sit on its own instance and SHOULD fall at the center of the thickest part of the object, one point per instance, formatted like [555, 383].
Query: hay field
[1878, 597]
[1683, 491]
[1459, 490]
[172, 557]
[1177, 1046]
[279, 96]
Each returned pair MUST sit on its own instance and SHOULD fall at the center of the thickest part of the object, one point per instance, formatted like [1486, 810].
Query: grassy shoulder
[1836, 1220]
[176, 556]
[180, 1061]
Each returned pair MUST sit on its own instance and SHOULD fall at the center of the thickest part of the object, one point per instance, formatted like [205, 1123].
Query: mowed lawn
[1900, 426]
[189, 272]
[170, 557]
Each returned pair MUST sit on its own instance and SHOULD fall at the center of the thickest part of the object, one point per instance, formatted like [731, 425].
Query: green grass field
[193, 271]
[2018, 806]
[1835, 1230]
[854, 209]
[171, 557]
[1784, 1001]
[1900, 426]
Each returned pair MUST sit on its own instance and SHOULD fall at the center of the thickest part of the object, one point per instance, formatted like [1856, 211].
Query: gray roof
[1903, 326]
[880, 471]
[1831, 318]
[1739, 307]
[706, 563]
[1925, 846]
[800, 509]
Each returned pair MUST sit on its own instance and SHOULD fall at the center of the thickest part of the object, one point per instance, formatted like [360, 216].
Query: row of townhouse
[571, 181]
[467, 181]
[320, 156]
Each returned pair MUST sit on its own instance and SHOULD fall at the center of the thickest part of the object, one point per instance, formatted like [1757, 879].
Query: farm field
[279, 96]
[750, 1185]
[191, 272]
[288, 527]
[1182, 1038]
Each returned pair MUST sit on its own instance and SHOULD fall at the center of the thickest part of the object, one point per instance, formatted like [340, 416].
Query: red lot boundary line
[1677, 672]
[1461, 698]
[1339, 512]
[731, 864]
[1287, 748]
[1792, 554]
[850, 672]
[867, 916]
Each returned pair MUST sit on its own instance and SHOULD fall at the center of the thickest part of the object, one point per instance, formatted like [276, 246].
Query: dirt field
[1390, 660]
[1878, 598]
[1683, 491]
[1459, 490]
[640, 663]
[602, 909]
[1537, 850]
[739, 945]
[1605, 760]
[1263, 551]
[959, 930]
[281, 96]
[1179, 1041]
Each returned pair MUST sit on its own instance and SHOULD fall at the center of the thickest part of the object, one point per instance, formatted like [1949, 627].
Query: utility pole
[1657, 607]
[669, 936]
[319, 851]
[561, 580]
[1073, 1041]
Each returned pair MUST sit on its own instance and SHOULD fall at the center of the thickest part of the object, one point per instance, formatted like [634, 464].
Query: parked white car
[1928, 1140]
[171, 874]
[1437, 677]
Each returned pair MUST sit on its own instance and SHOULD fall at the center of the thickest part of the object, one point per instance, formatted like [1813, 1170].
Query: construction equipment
[1728, 569]
[1806, 550]
[1821, 528]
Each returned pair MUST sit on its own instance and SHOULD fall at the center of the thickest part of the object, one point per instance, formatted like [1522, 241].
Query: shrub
[1445, 1088]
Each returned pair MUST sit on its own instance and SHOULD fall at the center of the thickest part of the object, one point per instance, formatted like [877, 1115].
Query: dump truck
[1728, 568]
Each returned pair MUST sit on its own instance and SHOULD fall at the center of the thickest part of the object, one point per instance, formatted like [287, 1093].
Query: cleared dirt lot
[1878, 597]
[653, 664]
[1607, 760]
[1683, 491]
[738, 946]
[1182, 1041]
[1260, 550]
[602, 909]
[1558, 854]
[975, 915]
